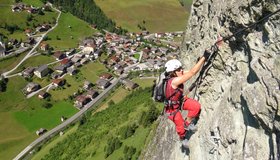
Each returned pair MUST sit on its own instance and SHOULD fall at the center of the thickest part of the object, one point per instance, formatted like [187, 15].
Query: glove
[206, 54]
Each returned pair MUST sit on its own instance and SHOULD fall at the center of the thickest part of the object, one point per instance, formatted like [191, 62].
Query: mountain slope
[240, 92]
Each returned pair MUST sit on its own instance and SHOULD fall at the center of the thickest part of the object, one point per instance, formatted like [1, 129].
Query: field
[10, 62]
[35, 61]
[26, 116]
[20, 18]
[154, 15]
[69, 32]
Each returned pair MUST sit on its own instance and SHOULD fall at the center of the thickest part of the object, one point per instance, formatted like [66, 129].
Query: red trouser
[193, 108]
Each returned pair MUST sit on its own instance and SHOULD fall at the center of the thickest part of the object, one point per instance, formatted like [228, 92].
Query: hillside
[240, 91]
[153, 15]
[120, 131]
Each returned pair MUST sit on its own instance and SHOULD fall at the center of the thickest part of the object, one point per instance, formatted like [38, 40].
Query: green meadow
[69, 32]
[35, 61]
[25, 117]
[9, 63]
[154, 15]
[20, 18]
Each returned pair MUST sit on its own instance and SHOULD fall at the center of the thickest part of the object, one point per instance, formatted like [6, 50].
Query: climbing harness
[214, 51]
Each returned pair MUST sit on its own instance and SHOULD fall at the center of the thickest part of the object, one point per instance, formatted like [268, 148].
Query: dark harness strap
[170, 103]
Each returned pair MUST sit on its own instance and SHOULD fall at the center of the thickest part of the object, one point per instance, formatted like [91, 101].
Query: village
[124, 54]
[133, 52]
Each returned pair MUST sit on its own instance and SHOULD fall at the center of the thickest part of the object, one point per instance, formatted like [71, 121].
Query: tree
[3, 84]
[147, 118]
[40, 12]
[29, 17]
[47, 105]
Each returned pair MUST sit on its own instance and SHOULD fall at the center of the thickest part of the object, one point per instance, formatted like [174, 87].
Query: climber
[174, 90]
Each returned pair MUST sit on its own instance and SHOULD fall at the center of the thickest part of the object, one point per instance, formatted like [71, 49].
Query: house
[66, 62]
[31, 10]
[89, 49]
[129, 84]
[56, 75]
[43, 95]
[84, 60]
[97, 53]
[92, 94]
[114, 59]
[18, 7]
[119, 71]
[81, 100]
[102, 83]
[87, 85]
[59, 55]
[58, 82]
[88, 45]
[43, 28]
[76, 59]
[142, 66]
[87, 42]
[44, 46]
[78, 64]
[28, 32]
[31, 87]
[72, 71]
[146, 50]
[30, 41]
[106, 76]
[42, 71]
[70, 52]
[28, 72]
[41, 131]
[60, 69]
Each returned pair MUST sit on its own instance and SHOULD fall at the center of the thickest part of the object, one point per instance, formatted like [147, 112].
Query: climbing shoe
[185, 143]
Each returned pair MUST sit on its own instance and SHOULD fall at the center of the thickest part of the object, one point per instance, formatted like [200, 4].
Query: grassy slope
[10, 63]
[26, 116]
[45, 118]
[79, 29]
[35, 61]
[117, 97]
[12, 141]
[51, 144]
[160, 16]
[19, 18]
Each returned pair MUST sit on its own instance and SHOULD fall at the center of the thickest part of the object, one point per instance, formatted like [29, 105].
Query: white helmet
[172, 65]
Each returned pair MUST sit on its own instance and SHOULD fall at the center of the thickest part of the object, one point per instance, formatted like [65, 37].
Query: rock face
[240, 93]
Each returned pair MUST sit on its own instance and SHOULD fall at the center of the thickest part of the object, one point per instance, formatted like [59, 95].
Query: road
[67, 122]
[31, 52]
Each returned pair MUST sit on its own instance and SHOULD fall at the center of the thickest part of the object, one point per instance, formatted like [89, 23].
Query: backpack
[159, 87]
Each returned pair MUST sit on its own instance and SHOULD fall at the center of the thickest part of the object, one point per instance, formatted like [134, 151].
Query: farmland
[154, 15]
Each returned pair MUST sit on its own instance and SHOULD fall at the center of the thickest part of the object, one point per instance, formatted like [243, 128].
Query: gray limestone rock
[240, 94]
